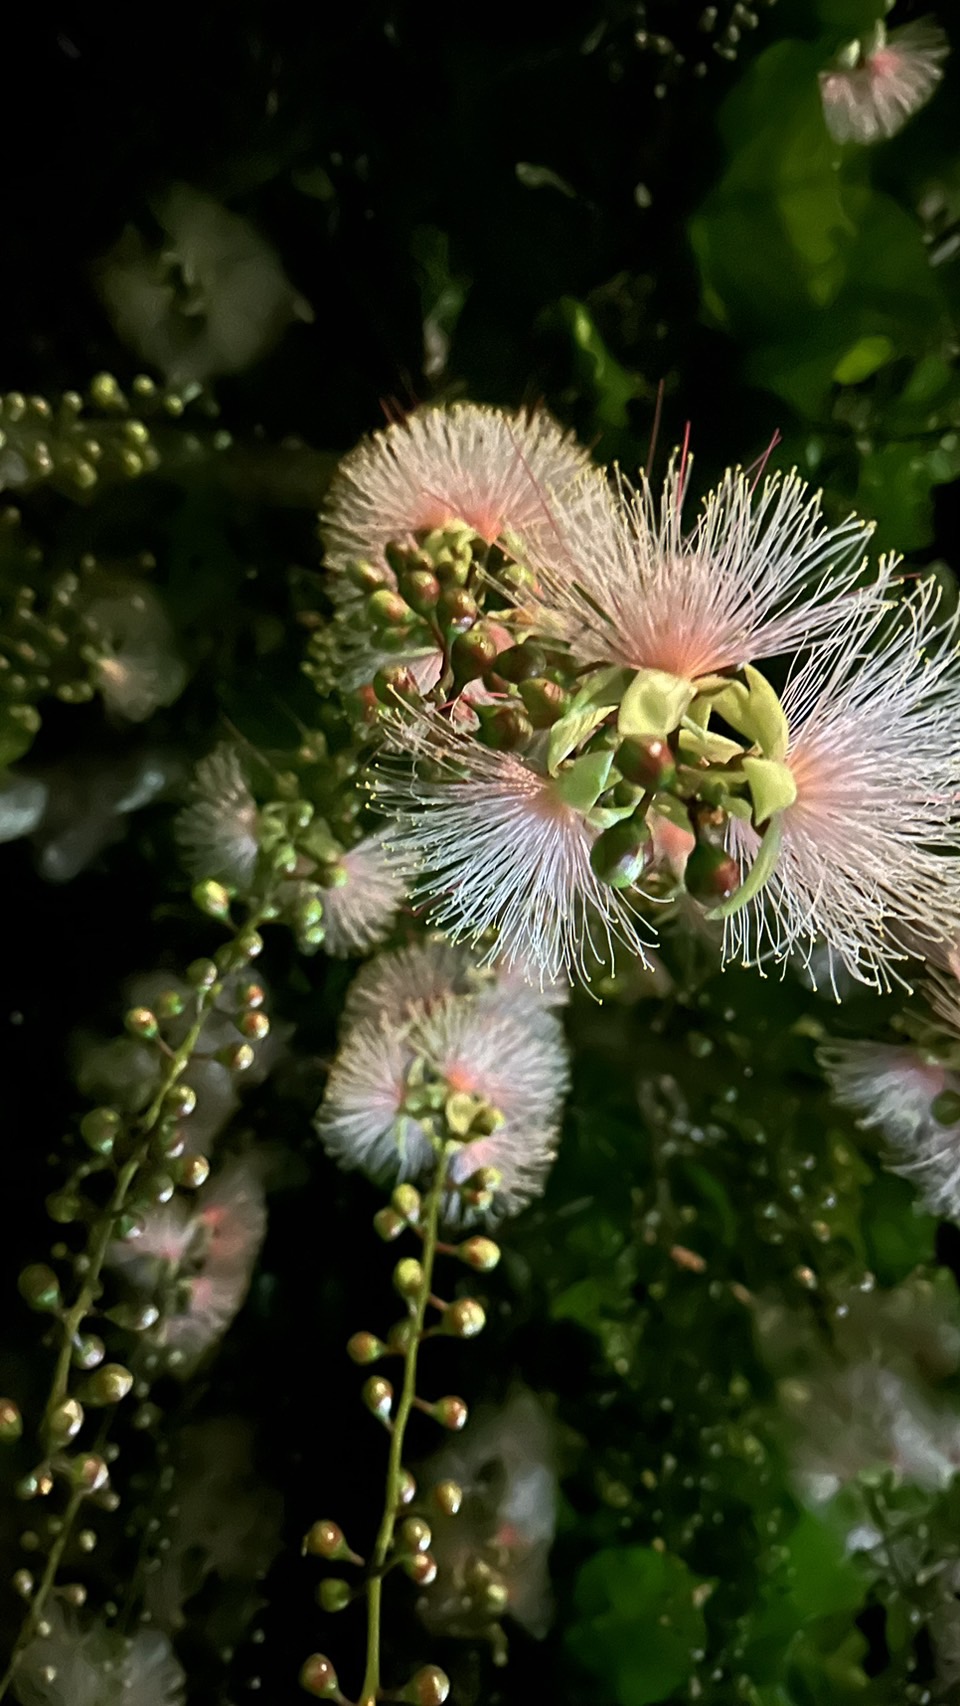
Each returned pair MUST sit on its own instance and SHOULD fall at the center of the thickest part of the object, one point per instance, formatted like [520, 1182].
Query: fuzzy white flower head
[622, 581]
[472, 1048]
[865, 1417]
[131, 647]
[882, 83]
[491, 845]
[869, 844]
[489, 468]
[421, 975]
[218, 831]
[359, 909]
[892, 1089]
[72, 1666]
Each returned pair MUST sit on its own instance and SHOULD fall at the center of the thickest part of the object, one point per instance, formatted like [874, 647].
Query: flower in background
[505, 1070]
[362, 896]
[869, 844]
[421, 975]
[84, 804]
[130, 649]
[491, 469]
[67, 1665]
[879, 84]
[195, 1260]
[211, 300]
[621, 581]
[894, 1090]
[218, 832]
[492, 1557]
[490, 844]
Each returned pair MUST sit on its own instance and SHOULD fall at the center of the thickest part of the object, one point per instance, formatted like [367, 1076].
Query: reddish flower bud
[430, 1687]
[421, 1567]
[364, 1348]
[448, 1497]
[481, 1254]
[472, 654]
[464, 1319]
[647, 762]
[711, 874]
[457, 609]
[319, 1678]
[378, 1397]
[387, 609]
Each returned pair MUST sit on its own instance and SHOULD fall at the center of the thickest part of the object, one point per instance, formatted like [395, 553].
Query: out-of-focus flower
[878, 84]
[491, 845]
[864, 1418]
[85, 804]
[362, 902]
[218, 831]
[894, 1090]
[211, 300]
[72, 1666]
[196, 1260]
[621, 581]
[131, 652]
[23, 801]
[492, 1557]
[494, 470]
[417, 977]
[869, 844]
[505, 1074]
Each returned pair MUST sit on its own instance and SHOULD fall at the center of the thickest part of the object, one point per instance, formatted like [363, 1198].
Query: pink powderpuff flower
[359, 909]
[883, 82]
[491, 846]
[621, 581]
[470, 1046]
[218, 832]
[892, 1089]
[418, 977]
[489, 468]
[869, 846]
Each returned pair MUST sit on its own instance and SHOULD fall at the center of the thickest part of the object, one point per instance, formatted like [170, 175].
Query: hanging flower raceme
[475, 1067]
[861, 838]
[877, 84]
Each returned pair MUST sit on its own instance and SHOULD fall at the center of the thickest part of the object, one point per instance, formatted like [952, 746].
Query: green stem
[370, 1692]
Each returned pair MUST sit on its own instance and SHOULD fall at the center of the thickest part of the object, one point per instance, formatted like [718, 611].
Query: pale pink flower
[416, 978]
[492, 847]
[864, 1418]
[69, 1665]
[470, 1046]
[892, 1089]
[870, 843]
[218, 831]
[890, 78]
[360, 910]
[622, 581]
[492, 469]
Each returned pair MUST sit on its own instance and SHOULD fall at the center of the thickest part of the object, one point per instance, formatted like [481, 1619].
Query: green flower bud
[406, 1488]
[451, 1413]
[415, 1534]
[249, 944]
[109, 1385]
[406, 1201]
[421, 589]
[421, 1567]
[378, 1397]
[619, 854]
[212, 899]
[11, 1421]
[401, 1336]
[429, 1687]
[140, 1022]
[255, 1026]
[90, 1473]
[387, 609]
[395, 681]
[364, 1348]
[202, 974]
[521, 663]
[64, 1207]
[334, 1594]
[65, 1422]
[472, 654]
[88, 1351]
[319, 1678]
[648, 762]
[192, 1172]
[366, 577]
[464, 1319]
[457, 609]
[504, 728]
[326, 1539]
[388, 1224]
[22, 1583]
[170, 1004]
[408, 1277]
[180, 1101]
[100, 1129]
[544, 700]
[238, 1059]
[481, 1254]
[448, 1497]
[711, 874]
[40, 1288]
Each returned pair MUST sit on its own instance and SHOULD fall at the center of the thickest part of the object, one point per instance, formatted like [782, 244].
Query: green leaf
[864, 357]
[753, 709]
[584, 782]
[771, 784]
[654, 704]
[613, 386]
[639, 1624]
[759, 873]
[571, 731]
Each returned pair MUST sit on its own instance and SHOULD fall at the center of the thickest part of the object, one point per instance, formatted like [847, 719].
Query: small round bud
[415, 1534]
[521, 663]
[457, 609]
[325, 1540]
[64, 1207]
[406, 1201]
[100, 1129]
[401, 1336]
[430, 1687]
[65, 1422]
[619, 854]
[159, 1188]
[387, 609]
[170, 1004]
[90, 1474]
[129, 1227]
[408, 1277]
[22, 1583]
[421, 590]
[11, 1421]
[421, 1567]
[448, 1497]
[406, 1488]
[249, 944]
[505, 728]
[395, 681]
[212, 899]
[180, 1101]
[334, 1594]
[255, 1026]
[319, 1678]
[464, 1319]
[109, 1385]
[364, 1348]
[88, 1351]
[40, 1288]
[251, 995]
[481, 1254]
[945, 1108]
[544, 700]
[75, 1595]
[141, 1022]
[192, 1171]
[472, 654]
[238, 1059]
[711, 874]
[388, 1224]
[202, 974]
[365, 576]
[451, 1413]
[378, 1397]
[649, 763]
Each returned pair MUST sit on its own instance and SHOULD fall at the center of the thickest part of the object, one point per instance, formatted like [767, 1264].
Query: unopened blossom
[892, 1089]
[491, 846]
[623, 579]
[196, 1258]
[493, 469]
[72, 1665]
[883, 82]
[869, 846]
[361, 904]
[505, 1465]
[218, 832]
[471, 1048]
[133, 658]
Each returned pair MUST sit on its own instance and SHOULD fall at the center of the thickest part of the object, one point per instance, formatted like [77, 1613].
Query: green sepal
[603, 687]
[753, 709]
[584, 782]
[759, 873]
[571, 731]
[654, 704]
[716, 749]
[772, 787]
